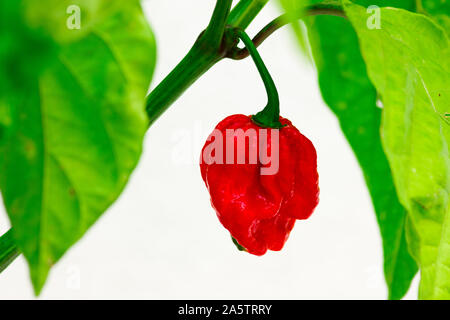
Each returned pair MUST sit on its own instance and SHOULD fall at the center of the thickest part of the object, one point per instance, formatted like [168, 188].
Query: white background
[162, 240]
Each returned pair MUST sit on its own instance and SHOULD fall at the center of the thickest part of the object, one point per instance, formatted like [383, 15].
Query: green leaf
[72, 123]
[408, 60]
[349, 93]
[438, 10]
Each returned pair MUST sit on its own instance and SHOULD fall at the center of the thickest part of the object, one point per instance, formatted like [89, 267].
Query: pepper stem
[270, 116]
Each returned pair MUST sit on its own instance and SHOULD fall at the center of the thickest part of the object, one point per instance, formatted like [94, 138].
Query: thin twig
[238, 53]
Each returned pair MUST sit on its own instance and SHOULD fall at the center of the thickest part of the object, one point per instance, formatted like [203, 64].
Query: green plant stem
[244, 13]
[8, 250]
[269, 116]
[207, 50]
[274, 25]
[214, 32]
[210, 47]
[193, 65]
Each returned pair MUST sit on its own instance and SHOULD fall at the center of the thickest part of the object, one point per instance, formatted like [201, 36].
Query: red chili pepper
[259, 210]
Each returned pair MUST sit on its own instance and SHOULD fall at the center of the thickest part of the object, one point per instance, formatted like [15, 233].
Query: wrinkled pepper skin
[258, 210]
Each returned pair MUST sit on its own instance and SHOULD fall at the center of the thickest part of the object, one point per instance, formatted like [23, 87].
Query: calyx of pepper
[264, 121]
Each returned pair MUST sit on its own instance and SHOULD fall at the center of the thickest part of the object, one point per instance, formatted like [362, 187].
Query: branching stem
[244, 13]
[274, 25]
[207, 51]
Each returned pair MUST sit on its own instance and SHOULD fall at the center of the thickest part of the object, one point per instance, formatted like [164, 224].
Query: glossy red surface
[260, 210]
